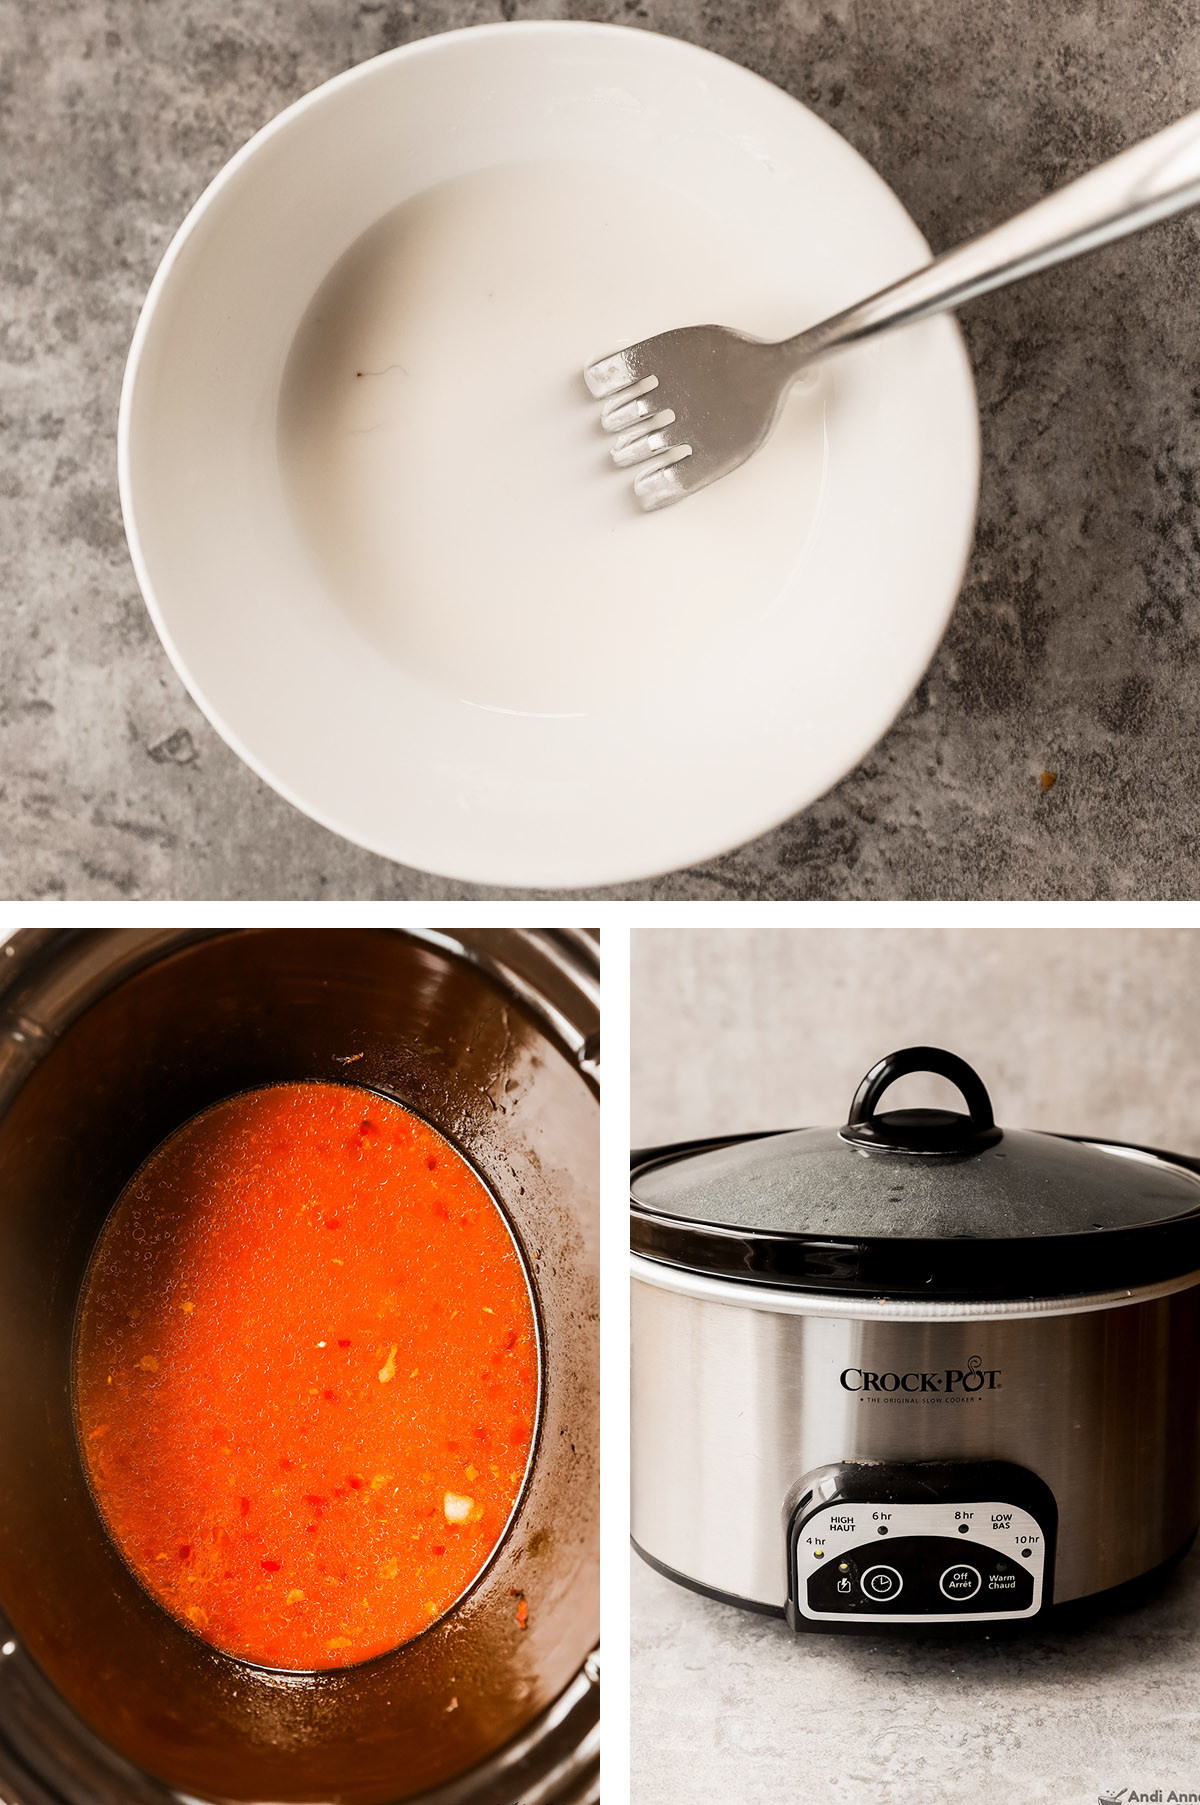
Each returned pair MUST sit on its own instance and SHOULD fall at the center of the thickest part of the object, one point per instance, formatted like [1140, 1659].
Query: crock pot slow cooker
[918, 1371]
[108, 1042]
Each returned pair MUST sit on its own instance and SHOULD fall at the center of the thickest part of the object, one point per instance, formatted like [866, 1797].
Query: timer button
[881, 1582]
[960, 1582]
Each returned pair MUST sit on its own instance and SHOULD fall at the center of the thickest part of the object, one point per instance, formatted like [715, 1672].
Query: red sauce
[306, 1375]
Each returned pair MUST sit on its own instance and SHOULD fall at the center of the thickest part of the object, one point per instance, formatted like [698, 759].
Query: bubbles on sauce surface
[306, 1375]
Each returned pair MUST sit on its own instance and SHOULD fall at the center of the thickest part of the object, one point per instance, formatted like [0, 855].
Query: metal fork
[691, 405]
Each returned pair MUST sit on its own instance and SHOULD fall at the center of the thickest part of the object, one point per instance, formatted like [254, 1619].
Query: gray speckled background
[1073, 1031]
[1073, 649]
[734, 1709]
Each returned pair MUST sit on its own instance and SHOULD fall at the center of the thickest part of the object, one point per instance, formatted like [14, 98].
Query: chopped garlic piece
[148, 1363]
[294, 1596]
[387, 1371]
[187, 1308]
[457, 1509]
[379, 1480]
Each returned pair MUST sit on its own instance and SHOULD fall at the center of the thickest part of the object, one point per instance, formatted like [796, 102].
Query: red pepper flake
[316, 1503]
[369, 1128]
[285, 1463]
[439, 1551]
[330, 1396]
[343, 1344]
[185, 1550]
[522, 1608]
[220, 1435]
[481, 1432]
[355, 1482]
[510, 1340]
[245, 1507]
[332, 1222]
[432, 1164]
[270, 1566]
[1049, 779]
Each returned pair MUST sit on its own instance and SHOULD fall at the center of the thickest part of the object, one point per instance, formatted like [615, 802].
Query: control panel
[931, 1543]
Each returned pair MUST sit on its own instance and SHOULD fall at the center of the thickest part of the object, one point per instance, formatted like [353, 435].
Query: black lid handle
[922, 1130]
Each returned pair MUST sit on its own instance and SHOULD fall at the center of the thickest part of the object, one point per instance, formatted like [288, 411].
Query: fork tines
[633, 411]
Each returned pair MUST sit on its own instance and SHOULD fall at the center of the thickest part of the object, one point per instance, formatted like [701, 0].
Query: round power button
[960, 1582]
[881, 1582]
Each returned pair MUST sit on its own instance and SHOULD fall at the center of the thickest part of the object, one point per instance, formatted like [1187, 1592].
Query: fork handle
[1148, 182]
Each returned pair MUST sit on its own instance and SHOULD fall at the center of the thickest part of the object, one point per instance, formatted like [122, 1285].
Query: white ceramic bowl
[738, 719]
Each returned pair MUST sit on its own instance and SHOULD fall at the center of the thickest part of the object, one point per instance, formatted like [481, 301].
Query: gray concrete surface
[1074, 648]
[1080, 1031]
[730, 1708]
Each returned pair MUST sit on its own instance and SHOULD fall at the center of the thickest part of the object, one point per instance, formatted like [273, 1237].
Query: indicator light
[962, 1529]
[1025, 1553]
[819, 1554]
[844, 1567]
[883, 1529]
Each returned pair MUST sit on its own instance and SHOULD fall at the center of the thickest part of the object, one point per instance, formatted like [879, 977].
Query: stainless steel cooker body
[745, 1395]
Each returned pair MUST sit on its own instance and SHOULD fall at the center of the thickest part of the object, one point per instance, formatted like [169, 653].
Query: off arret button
[960, 1582]
[881, 1582]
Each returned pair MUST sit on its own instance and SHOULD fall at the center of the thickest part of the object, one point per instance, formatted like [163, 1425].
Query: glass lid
[921, 1202]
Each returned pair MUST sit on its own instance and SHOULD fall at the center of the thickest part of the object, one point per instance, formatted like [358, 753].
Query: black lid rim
[959, 1270]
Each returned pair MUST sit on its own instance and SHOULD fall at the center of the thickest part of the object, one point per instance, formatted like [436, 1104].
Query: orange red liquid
[306, 1375]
